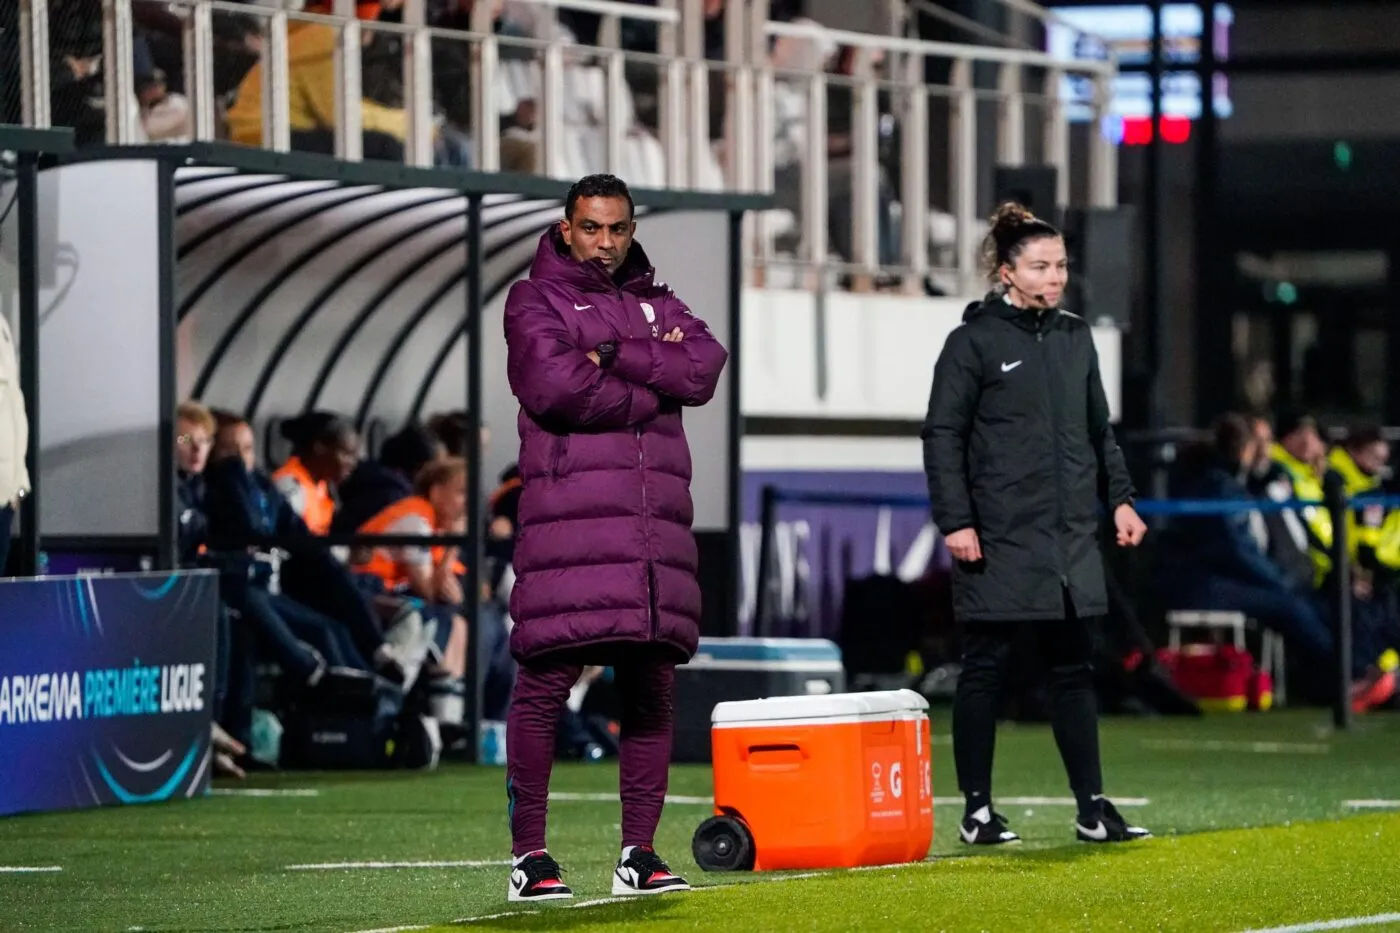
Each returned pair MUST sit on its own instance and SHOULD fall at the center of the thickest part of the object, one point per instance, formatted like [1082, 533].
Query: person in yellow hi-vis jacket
[1362, 462]
[1303, 456]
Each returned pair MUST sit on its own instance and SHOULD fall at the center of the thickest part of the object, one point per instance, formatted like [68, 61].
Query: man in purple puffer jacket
[602, 358]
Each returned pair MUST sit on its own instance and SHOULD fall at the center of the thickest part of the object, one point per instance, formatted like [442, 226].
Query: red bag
[1220, 678]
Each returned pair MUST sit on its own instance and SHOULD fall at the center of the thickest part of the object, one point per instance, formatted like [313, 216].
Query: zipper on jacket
[646, 536]
[1059, 456]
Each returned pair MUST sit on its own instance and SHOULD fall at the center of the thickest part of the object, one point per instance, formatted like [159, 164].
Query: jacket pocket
[558, 449]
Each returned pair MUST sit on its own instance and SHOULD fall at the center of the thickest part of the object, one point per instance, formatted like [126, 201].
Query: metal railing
[755, 121]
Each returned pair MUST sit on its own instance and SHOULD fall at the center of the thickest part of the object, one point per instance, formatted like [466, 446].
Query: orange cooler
[819, 782]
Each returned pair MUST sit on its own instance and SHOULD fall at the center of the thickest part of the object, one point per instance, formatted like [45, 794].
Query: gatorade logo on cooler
[896, 780]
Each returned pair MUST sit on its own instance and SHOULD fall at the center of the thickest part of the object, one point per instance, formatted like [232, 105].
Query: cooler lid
[876, 704]
[766, 649]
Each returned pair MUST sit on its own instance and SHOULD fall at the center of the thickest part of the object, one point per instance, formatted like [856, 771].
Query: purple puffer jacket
[604, 553]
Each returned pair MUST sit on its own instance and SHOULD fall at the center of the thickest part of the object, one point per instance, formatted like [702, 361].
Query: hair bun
[1012, 214]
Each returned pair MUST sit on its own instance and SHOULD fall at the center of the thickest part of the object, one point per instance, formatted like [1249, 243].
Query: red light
[1175, 130]
[1137, 131]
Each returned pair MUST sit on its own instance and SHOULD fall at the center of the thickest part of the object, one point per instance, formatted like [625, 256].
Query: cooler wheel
[723, 843]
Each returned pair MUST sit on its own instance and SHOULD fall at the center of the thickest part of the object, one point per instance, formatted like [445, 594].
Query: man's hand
[675, 336]
[965, 546]
[593, 355]
[1131, 529]
[450, 589]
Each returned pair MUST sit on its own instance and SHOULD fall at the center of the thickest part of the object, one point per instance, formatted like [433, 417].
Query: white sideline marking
[1371, 804]
[29, 869]
[598, 902]
[679, 800]
[1042, 801]
[1259, 748]
[350, 866]
[1344, 923]
[264, 792]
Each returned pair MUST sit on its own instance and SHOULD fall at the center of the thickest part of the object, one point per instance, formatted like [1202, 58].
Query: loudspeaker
[1032, 186]
[1100, 245]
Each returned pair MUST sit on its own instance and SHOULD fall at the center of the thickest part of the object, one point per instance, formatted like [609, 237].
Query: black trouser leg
[1067, 649]
[986, 651]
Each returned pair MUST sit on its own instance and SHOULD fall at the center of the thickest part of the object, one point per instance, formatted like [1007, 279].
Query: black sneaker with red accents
[537, 878]
[643, 872]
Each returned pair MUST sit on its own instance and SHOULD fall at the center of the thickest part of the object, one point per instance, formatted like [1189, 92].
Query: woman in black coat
[1020, 458]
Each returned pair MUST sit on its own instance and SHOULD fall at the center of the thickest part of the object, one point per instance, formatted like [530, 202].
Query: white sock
[983, 815]
[515, 862]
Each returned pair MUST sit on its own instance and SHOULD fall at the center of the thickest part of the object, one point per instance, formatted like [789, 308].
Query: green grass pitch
[1262, 821]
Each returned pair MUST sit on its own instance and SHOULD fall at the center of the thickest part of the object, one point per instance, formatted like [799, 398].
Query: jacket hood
[554, 263]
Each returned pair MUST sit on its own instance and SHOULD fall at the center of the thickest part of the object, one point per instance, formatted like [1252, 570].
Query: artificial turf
[1256, 819]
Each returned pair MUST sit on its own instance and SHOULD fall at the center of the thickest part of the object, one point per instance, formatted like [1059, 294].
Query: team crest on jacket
[650, 312]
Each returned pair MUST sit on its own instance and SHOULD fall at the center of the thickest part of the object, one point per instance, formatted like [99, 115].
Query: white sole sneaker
[621, 888]
[516, 898]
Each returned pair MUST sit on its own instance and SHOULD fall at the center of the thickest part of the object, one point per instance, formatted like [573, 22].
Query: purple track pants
[541, 689]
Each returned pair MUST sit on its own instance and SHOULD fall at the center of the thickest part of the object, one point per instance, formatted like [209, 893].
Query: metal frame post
[768, 515]
[34, 58]
[734, 474]
[198, 40]
[118, 86]
[1057, 135]
[472, 545]
[963, 177]
[1011, 116]
[914, 174]
[418, 85]
[349, 122]
[1152, 235]
[865, 167]
[167, 543]
[27, 203]
[1334, 492]
[276, 103]
[616, 96]
[814, 193]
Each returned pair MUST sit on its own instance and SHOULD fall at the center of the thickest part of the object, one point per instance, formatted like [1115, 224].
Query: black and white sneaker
[643, 872]
[1107, 825]
[985, 828]
[537, 878]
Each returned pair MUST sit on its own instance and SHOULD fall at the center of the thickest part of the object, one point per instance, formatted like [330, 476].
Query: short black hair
[1363, 436]
[1291, 421]
[598, 186]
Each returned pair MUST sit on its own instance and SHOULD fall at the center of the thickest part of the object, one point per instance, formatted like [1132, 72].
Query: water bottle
[493, 742]
[266, 745]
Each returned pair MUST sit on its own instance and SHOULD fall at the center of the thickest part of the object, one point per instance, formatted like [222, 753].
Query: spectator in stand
[377, 484]
[433, 575]
[311, 50]
[1362, 462]
[308, 598]
[195, 427]
[1216, 562]
[325, 451]
[437, 507]
[194, 439]
[14, 439]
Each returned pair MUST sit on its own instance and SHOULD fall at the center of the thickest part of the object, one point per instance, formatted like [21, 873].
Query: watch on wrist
[607, 353]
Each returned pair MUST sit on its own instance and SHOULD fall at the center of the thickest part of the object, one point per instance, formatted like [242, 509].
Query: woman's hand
[1131, 529]
[964, 545]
